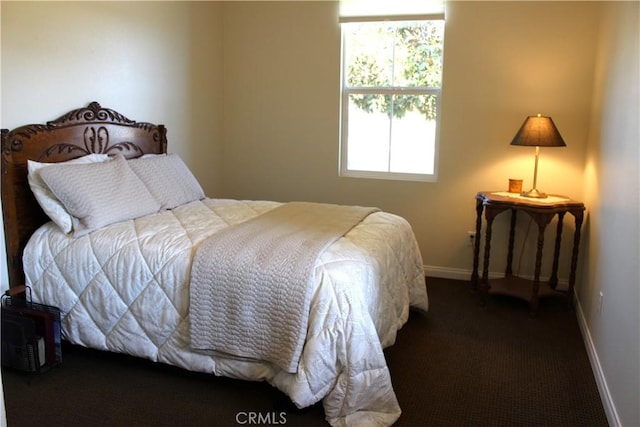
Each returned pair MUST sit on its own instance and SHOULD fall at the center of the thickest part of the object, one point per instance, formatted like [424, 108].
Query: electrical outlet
[471, 238]
[600, 299]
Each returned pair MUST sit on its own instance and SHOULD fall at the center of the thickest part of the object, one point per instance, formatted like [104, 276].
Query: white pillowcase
[168, 179]
[99, 194]
[46, 199]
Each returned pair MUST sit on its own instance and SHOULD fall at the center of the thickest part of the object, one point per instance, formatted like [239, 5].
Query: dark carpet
[458, 365]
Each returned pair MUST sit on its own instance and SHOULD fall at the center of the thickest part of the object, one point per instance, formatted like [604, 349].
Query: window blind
[390, 10]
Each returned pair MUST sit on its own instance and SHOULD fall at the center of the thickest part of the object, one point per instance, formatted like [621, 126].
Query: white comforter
[125, 288]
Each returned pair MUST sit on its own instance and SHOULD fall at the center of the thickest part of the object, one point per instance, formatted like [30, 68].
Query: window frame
[346, 91]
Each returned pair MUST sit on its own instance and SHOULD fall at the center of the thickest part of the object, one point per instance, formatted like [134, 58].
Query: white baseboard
[601, 381]
[447, 273]
[605, 395]
[465, 274]
[452, 273]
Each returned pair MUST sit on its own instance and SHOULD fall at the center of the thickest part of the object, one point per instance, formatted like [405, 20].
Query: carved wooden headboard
[93, 129]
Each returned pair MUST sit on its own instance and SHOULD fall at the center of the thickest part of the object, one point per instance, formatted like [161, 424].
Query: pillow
[99, 194]
[168, 179]
[46, 199]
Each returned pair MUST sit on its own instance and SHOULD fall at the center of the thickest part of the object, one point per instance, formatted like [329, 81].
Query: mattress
[125, 288]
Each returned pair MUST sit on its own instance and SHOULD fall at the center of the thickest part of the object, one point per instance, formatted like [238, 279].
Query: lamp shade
[538, 131]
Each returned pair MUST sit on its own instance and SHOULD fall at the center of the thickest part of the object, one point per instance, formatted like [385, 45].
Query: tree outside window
[392, 74]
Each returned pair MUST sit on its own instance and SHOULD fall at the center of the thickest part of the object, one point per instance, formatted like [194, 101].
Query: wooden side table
[542, 212]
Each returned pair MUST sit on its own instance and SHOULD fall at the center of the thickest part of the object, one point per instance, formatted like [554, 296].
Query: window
[391, 86]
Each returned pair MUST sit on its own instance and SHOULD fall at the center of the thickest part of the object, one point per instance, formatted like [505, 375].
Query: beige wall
[503, 61]
[612, 190]
[264, 78]
[280, 62]
[151, 61]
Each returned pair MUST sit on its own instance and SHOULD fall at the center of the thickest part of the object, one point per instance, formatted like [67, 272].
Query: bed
[128, 284]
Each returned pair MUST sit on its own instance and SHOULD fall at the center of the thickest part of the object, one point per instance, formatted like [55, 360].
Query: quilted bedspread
[125, 288]
[251, 283]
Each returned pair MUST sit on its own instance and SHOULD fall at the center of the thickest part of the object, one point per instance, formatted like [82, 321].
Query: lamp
[537, 131]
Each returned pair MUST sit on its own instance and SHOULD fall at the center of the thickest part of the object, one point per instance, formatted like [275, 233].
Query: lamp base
[534, 194]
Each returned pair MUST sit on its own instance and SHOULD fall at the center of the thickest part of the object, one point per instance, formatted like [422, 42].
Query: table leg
[553, 280]
[542, 220]
[484, 284]
[476, 245]
[533, 304]
[512, 233]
